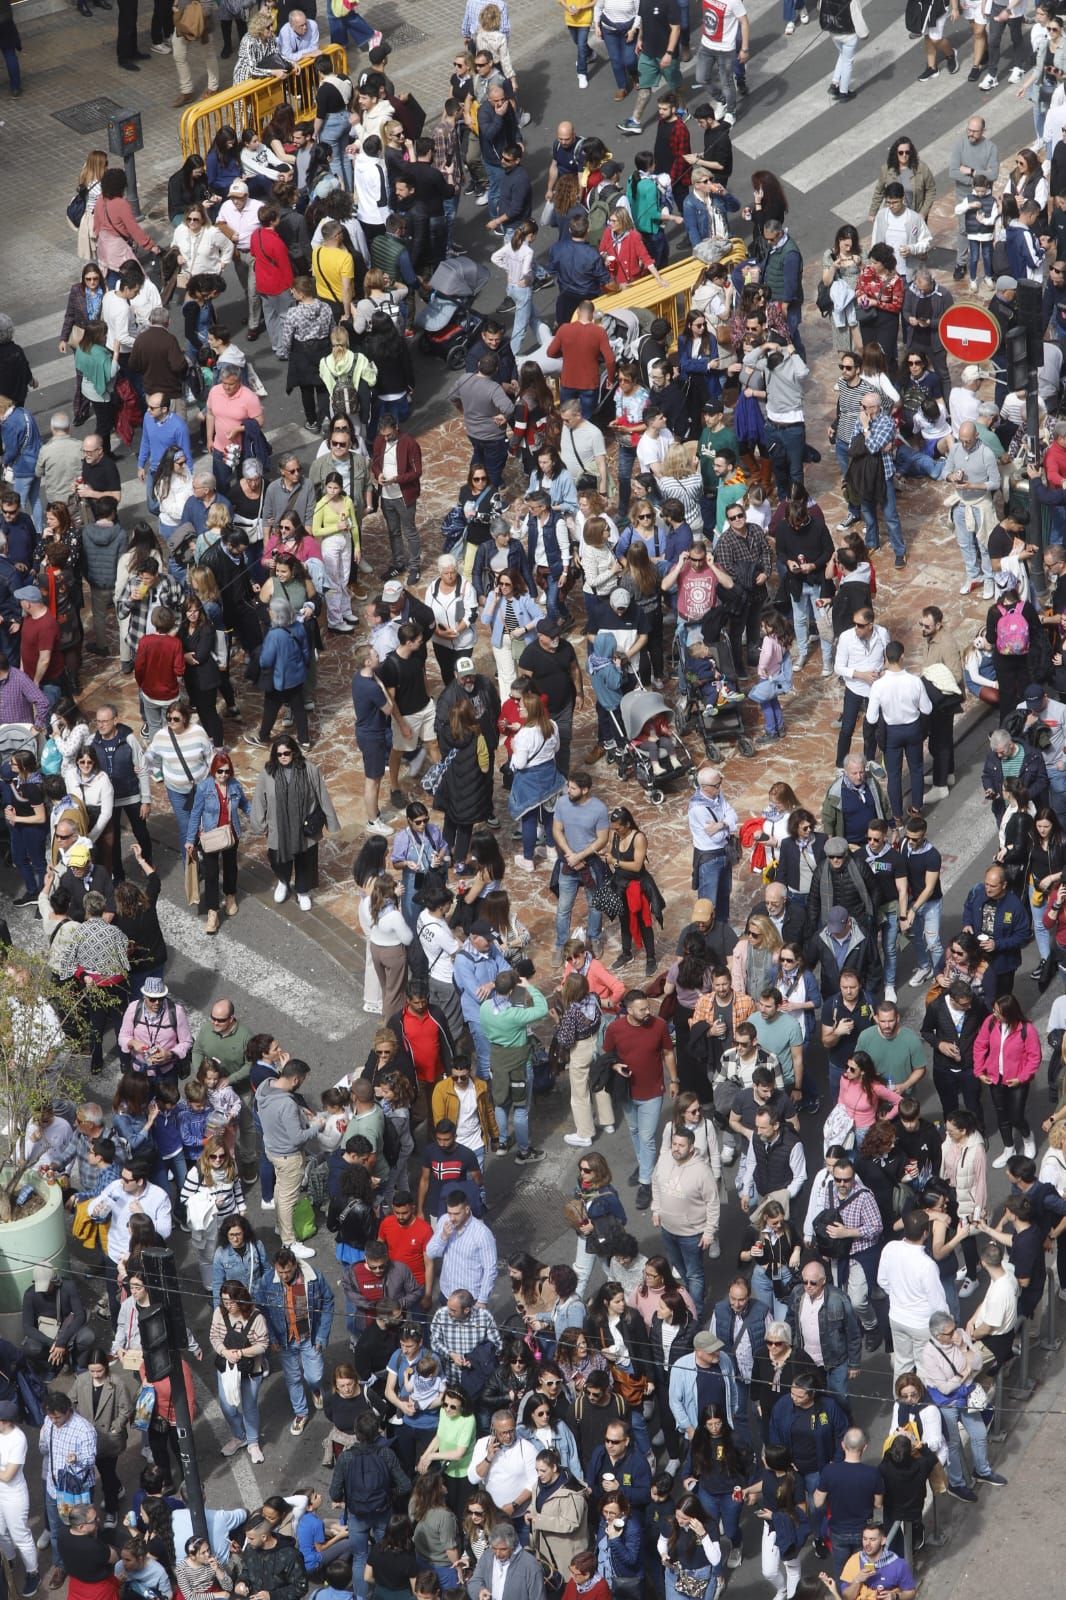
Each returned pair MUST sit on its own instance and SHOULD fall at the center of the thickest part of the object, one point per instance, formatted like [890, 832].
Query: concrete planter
[31, 1240]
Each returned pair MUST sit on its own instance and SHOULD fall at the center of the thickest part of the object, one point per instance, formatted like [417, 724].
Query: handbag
[76, 206]
[435, 776]
[693, 1585]
[608, 900]
[230, 1384]
[978, 1398]
[630, 1385]
[212, 840]
[314, 824]
[192, 881]
[304, 1225]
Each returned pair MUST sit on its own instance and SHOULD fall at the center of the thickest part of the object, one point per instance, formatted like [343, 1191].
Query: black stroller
[448, 320]
[716, 725]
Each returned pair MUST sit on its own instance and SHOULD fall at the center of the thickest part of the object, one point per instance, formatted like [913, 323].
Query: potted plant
[41, 1024]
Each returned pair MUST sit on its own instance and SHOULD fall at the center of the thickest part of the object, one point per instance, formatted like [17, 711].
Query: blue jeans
[724, 1509]
[980, 252]
[494, 177]
[301, 1362]
[892, 522]
[627, 456]
[975, 1427]
[786, 441]
[764, 693]
[580, 37]
[450, 207]
[336, 134]
[29, 491]
[642, 1120]
[586, 397]
[519, 1115]
[685, 1255]
[525, 317]
[906, 740]
[916, 464]
[51, 1513]
[11, 61]
[801, 620]
[481, 1050]
[492, 455]
[889, 935]
[836, 1378]
[568, 891]
[975, 556]
[815, 1517]
[362, 1532]
[243, 1419]
[1040, 933]
[622, 55]
[845, 45]
[181, 805]
[28, 854]
[716, 882]
[925, 934]
[350, 29]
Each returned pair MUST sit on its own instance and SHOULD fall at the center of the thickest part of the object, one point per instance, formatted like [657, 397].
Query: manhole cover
[532, 1211]
[405, 36]
[88, 115]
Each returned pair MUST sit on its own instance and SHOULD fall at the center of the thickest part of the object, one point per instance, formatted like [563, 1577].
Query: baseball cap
[464, 667]
[482, 928]
[707, 1343]
[837, 920]
[238, 187]
[836, 846]
[1034, 696]
[29, 592]
[392, 591]
[702, 911]
[79, 855]
[545, 627]
[618, 599]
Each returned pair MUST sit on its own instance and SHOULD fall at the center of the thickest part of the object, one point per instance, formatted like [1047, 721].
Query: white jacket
[202, 249]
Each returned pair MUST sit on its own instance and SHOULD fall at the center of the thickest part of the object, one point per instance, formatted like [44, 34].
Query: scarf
[293, 797]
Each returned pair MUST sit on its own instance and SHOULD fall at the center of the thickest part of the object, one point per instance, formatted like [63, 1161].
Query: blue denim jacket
[206, 808]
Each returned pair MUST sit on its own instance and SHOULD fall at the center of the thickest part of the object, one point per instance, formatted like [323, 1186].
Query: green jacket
[507, 1029]
[645, 204]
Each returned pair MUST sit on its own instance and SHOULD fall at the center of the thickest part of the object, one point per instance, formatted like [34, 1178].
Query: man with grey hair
[160, 360]
[713, 826]
[973, 470]
[59, 462]
[858, 1490]
[290, 495]
[204, 495]
[825, 1328]
[284, 659]
[504, 1464]
[504, 1572]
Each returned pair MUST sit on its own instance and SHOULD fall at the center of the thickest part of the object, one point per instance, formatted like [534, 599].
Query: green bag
[303, 1218]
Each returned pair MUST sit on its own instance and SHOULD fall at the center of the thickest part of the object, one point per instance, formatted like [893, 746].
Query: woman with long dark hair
[292, 806]
[386, 347]
[641, 579]
[199, 640]
[465, 792]
[240, 1340]
[768, 205]
[1006, 1056]
[842, 263]
[686, 979]
[621, 1336]
[388, 936]
[865, 1094]
[1047, 862]
[903, 165]
[369, 864]
[714, 1470]
[642, 901]
[97, 369]
[690, 1555]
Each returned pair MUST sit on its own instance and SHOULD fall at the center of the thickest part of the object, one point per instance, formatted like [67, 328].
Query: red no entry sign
[969, 333]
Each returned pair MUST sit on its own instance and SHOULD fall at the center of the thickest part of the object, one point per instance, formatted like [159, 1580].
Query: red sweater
[581, 344]
[159, 667]
[273, 267]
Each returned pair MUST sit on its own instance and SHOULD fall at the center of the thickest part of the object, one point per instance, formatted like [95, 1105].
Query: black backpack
[390, 1142]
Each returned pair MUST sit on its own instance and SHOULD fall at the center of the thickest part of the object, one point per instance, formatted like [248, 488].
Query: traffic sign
[969, 333]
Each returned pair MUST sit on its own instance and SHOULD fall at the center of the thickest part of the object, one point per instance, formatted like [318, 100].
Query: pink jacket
[771, 656]
[859, 1107]
[1006, 1058]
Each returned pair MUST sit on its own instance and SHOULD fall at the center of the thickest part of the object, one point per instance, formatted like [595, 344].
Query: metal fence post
[1049, 1339]
[935, 1538]
[1025, 1385]
[998, 1423]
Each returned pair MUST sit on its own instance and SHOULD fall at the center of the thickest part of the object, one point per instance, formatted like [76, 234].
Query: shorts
[421, 726]
[649, 72]
[937, 30]
[375, 757]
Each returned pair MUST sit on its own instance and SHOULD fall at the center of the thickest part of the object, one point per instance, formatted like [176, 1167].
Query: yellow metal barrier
[671, 302]
[251, 104]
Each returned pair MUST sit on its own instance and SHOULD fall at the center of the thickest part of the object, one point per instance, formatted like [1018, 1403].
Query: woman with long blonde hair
[755, 959]
[211, 1194]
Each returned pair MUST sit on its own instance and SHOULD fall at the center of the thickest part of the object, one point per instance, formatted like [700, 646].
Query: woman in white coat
[200, 245]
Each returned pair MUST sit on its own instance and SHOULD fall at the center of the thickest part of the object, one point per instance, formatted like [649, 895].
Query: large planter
[31, 1241]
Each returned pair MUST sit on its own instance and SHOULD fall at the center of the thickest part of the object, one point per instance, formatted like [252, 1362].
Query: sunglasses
[175, 719]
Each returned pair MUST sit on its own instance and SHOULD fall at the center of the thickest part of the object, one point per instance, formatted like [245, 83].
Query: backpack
[1012, 632]
[390, 1142]
[76, 207]
[344, 401]
[368, 1483]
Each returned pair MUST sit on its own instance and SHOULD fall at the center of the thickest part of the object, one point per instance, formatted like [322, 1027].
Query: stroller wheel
[745, 746]
[455, 360]
[714, 752]
[656, 797]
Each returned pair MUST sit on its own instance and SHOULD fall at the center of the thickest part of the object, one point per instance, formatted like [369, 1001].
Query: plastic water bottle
[24, 1194]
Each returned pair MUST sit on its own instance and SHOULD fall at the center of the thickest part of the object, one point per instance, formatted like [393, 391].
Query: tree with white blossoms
[41, 1025]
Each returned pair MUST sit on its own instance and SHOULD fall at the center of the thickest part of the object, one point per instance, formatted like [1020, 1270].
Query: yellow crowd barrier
[251, 104]
[673, 299]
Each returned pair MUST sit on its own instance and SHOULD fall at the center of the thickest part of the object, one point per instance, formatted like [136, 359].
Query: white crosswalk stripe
[798, 111]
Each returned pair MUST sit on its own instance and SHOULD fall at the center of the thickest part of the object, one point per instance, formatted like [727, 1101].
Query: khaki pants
[580, 1100]
[198, 52]
[289, 1172]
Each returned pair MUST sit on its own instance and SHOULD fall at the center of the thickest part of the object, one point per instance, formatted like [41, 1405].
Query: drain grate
[529, 1207]
[88, 115]
[405, 36]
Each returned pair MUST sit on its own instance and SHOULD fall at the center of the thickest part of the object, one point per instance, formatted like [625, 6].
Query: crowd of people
[652, 1405]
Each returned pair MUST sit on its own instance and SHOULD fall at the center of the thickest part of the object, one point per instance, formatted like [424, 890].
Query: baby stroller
[715, 724]
[448, 320]
[650, 749]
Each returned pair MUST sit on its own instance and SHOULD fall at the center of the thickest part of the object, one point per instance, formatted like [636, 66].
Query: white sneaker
[967, 1287]
[523, 865]
[608, 1127]
[1016, 75]
[255, 1454]
[302, 1252]
[805, 17]
[988, 589]
[736, 1556]
[790, 28]
[890, 994]
[989, 81]
[582, 81]
[160, 49]
[577, 1140]
[281, 893]
[1001, 1160]
[304, 902]
[376, 825]
[481, 200]
[1029, 1147]
[729, 1151]
[923, 975]
[968, 584]
[525, 119]
[937, 792]
[267, 1205]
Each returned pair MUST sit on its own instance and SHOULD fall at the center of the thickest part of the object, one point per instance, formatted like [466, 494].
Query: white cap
[392, 591]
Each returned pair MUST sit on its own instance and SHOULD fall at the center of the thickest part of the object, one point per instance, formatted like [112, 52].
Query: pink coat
[1008, 1059]
[859, 1107]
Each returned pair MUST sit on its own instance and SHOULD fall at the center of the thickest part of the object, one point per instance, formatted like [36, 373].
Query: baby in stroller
[706, 682]
[659, 744]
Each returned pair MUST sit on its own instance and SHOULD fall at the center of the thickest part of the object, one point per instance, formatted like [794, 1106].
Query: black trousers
[743, 630]
[211, 864]
[941, 739]
[273, 700]
[301, 867]
[1008, 1102]
[958, 1088]
[162, 21]
[139, 828]
[855, 710]
[126, 40]
[205, 704]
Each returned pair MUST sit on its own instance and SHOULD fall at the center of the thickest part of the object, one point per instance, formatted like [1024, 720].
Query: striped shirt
[166, 763]
[467, 1256]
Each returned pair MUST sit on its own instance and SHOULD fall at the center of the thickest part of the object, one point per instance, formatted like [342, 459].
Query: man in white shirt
[238, 218]
[129, 1196]
[860, 661]
[911, 1279]
[654, 442]
[712, 824]
[997, 1316]
[902, 700]
[582, 446]
[505, 1465]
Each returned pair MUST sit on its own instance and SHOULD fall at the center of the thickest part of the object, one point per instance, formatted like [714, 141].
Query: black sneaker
[492, 821]
[844, 95]
[634, 1178]
[953, 64]
[26, 898]
[643, 1200]
[33, 1583]
[975, 74]
[872, 1339]
[649, 967]
[397, 799]
[928, 74]
[996, 1479]
[530, 1157]
[963, 1492]
[957, 277]
[821, 1549]
[616, 965]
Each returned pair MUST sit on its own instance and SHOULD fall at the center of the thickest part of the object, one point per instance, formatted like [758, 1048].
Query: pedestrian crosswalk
[830, 153]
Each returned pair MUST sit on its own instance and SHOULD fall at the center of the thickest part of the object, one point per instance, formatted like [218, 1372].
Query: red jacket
[273, 266]
[408, 465]
[626, 257]
[1016, 1062]
[159, 667]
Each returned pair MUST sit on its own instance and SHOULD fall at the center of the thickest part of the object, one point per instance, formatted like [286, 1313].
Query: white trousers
[337, 560]
[15, 1532]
